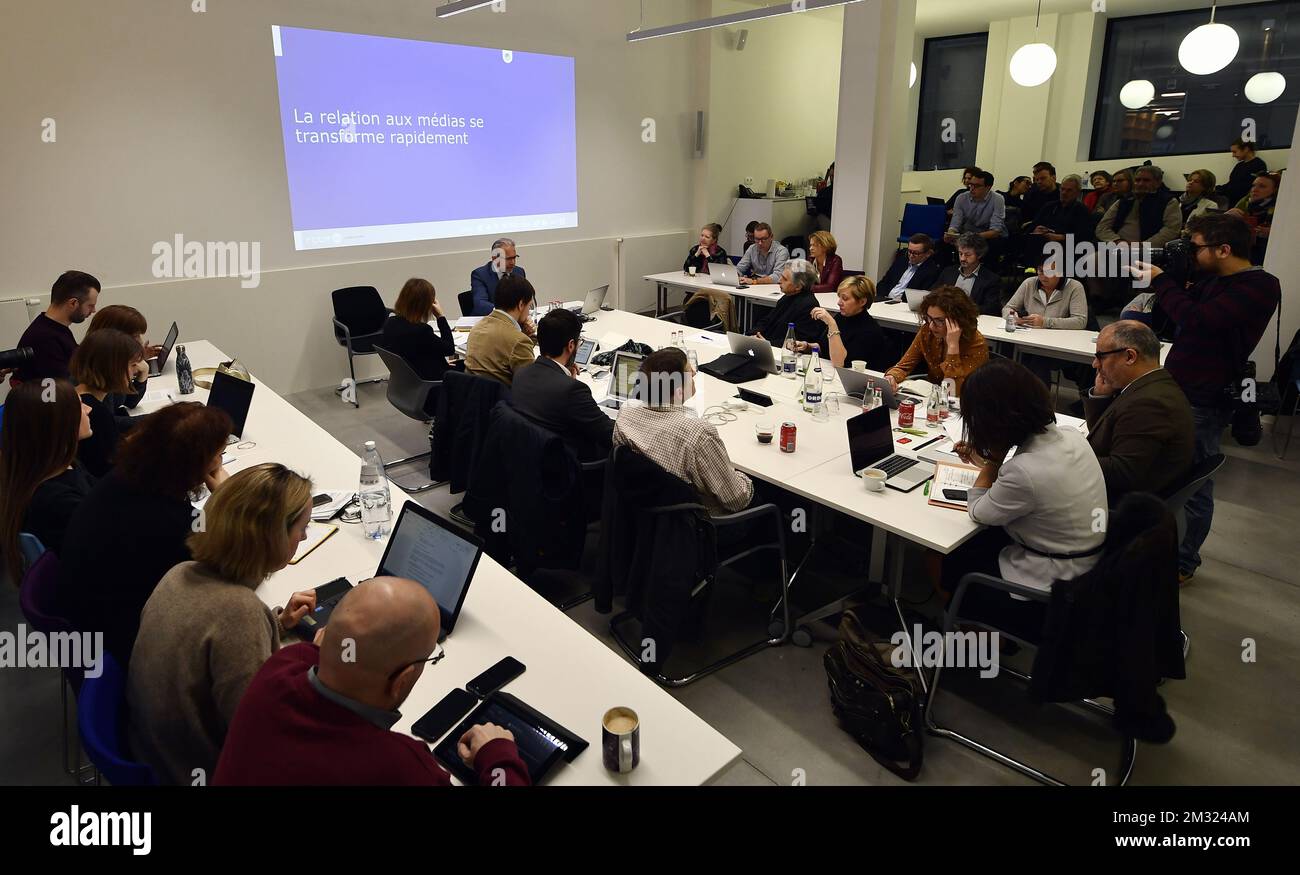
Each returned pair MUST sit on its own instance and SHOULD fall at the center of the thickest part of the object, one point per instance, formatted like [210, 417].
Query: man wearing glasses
[763, 262]
[914, 268]
[325, 716]
[981, 210]
[484, 280]
[1139, 421]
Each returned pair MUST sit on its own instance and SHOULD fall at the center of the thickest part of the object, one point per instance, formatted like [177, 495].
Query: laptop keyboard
[895, 465]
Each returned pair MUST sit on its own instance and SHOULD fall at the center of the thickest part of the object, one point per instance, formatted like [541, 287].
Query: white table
[571, 676]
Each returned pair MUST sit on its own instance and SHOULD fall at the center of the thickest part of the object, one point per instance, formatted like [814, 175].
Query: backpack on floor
[879, 705]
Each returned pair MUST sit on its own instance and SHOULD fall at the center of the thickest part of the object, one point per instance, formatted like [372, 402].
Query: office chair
[359, 315]
[923, 219]
[466, 301]
[1176, 496]
[409, 393]
[101, 715]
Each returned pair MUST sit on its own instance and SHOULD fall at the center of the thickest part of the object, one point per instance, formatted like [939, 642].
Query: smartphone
[956, 494]
[318, 500]
[891, 301]
[444, 715]
[754, 397]
[583, 355]
[496, 677]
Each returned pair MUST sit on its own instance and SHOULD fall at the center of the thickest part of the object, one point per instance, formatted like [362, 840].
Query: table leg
[661, 299]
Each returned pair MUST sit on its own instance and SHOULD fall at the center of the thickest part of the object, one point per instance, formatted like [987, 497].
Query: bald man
[324, 715]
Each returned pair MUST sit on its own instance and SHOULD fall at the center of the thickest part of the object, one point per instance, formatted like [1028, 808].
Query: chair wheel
[802, 637]
[776, 629]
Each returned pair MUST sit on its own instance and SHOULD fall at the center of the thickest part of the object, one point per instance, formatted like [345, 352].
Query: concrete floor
[1237, 721]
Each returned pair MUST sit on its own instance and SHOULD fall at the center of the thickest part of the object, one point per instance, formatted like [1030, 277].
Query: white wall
[168, 123]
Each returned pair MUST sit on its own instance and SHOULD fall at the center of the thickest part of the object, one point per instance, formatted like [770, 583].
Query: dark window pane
[1190, 113]
[952, 85]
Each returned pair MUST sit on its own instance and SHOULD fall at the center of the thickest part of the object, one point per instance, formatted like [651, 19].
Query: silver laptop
[622, 381]
[914, 298]
[871, 445]
[758, 349]
[724, 275]
[858, 382]
[595, 300]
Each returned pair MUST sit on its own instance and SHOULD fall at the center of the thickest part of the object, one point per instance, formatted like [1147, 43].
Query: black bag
[606, 358]
[734, 368]
[879, 705]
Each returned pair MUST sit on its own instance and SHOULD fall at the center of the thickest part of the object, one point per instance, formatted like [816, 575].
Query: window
[1191, 114]
[952, 86]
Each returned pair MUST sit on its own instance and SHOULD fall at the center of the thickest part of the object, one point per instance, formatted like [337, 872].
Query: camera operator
[1221, 316]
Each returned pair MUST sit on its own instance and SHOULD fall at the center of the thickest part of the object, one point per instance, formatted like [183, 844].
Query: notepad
[955, 478]
[317, 534]
[465, 323]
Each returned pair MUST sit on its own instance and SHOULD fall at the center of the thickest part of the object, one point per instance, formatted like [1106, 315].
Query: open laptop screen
[870, 438]
[626, 368]
[429, 551]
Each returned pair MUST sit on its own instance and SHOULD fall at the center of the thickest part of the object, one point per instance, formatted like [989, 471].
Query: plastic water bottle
[813, 401]
[376, 506]
[789, 358]
[932, 408]
[184, 372]
[944, 400]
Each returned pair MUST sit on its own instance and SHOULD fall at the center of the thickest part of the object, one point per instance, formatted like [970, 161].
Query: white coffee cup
[874, 478]
[859, 365]
[692, 270]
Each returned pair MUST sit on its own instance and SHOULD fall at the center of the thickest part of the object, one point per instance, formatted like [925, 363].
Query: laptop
[156, 365]
[595, 300]
[934, 201]
[759, 350]
[724, 275]
[425, 548]
[914, 298]
[234, 396]
[858, 382]
[871, 445]
[622, 381]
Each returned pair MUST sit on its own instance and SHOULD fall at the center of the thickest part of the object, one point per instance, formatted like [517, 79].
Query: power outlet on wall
[749, 182]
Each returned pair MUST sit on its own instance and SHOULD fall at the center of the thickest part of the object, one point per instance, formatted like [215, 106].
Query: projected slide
[389, 140]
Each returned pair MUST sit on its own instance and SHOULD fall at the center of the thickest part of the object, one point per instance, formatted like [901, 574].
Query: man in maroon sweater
[324, 716]
[1221, 318]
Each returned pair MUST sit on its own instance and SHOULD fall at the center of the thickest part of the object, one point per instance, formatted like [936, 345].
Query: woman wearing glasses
[948, 342]
[204, 632]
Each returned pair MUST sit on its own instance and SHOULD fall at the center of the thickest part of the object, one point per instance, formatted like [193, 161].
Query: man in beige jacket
[505, 340]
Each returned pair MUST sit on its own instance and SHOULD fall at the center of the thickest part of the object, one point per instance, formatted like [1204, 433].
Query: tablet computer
[541, 741]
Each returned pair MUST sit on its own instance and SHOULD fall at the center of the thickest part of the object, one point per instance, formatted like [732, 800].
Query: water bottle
[1011, 320]
[376, 510]
[184, 373]
[943, 401]
[812, 392]
[932, 409]
[789, 359]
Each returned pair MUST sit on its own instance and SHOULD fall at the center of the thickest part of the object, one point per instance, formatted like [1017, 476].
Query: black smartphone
[318, 500]
[956, 494]
[754, 397]
[496, 677]
[444, 715]
[892, 301]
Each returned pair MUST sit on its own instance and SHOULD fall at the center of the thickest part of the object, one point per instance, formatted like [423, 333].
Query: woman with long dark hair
[103, 366]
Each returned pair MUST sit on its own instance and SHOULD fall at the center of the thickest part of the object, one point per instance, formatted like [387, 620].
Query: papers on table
[612, 340]
[709, 338]
[317, 533]
[338, 501]
[952, 484]
[465, 323]
[155, 396]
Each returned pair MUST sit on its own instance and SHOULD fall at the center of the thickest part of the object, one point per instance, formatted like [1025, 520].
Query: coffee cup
[874, 479]
[620, 740]
[859, 365]
[692, 270]
[764, 431]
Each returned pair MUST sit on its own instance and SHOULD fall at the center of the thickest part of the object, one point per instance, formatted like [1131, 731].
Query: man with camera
[1221, 314]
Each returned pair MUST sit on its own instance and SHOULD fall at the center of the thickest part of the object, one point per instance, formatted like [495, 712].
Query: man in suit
[483, 281]
[914, 268]
[503, 341]
[1139, 420]
[549, 393]
[973, 277]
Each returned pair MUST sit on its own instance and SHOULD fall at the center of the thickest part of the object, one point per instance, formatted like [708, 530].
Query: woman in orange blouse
[949, 340]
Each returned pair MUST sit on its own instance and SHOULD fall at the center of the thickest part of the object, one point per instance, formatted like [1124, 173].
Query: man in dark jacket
[973, 276]
[914, 268]
[1248, 166]
[1139, 421]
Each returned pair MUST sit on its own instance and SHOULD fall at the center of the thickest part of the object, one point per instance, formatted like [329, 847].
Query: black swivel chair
[359, 315]
[466, 301]
[408, 392]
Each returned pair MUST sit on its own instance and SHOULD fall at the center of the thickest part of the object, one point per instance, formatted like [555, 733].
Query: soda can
[906, 413]
[787, 437]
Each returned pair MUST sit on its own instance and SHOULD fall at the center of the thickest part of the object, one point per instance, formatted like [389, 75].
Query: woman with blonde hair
[204, 632]
[407, 333]
[830, 267]
[948, 343]
[851, 334]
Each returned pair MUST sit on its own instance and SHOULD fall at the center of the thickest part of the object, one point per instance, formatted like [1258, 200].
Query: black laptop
[423, 547]
[871, 445]
[234, 396]
[156, 365]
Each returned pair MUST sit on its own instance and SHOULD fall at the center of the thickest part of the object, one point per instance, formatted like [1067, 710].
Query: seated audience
[1139, 421]
[40, 479]
[763, 262]
[948, 343]
[407, 333]
[1195, 200]
[851, 334]
[127, 320]
[103, 365]
[979, 281]
[1060, 221]
[204, 633]
[549, 392]
[1048, 300]
[1248, 166]
[681, 443]
[1040, 504]
[1014, 196]
[1044, 192]
[750, 230]
[979, 211]
[72, 301]
[829, 266]
[1121, 186]
[324, 717]
[795, 306]
[132, 527]
[1100, 182]
[707, 251]
[1150, 215]
[483, 281]
[967, 175]
[913, 268]
[1257, 209]
[505, 340]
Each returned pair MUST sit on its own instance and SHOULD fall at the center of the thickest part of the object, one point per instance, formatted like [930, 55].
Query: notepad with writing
[951, 485]
[317, 534]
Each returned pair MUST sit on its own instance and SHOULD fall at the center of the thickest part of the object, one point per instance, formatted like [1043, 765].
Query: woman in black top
[39, 478]
[707, 251]
[851, 334]
[103, 365]
[409, 334]
[131, 529]
[127, 320]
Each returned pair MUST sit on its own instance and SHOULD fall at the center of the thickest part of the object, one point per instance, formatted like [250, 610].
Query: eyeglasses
[1101, 354]
[433, 659]
[932, 320]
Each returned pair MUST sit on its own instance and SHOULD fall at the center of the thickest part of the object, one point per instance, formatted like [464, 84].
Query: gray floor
[1237, 721]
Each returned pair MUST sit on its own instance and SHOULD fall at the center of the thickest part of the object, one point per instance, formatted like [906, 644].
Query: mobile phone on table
[496, 677]
[956, 494]
[892, 301]
[754, 397]
[444, 715]
[323, 498]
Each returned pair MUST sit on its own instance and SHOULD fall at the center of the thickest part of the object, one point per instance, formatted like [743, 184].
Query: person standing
[1248, 166]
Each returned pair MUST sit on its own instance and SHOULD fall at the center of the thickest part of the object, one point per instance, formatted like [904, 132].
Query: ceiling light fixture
[1268, 85]
[735, 18]
[1209, 48]
[1137, 93]
[1033, 63]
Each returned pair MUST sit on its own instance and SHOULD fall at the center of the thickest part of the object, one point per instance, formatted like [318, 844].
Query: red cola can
[787, 437]
[906, 414]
